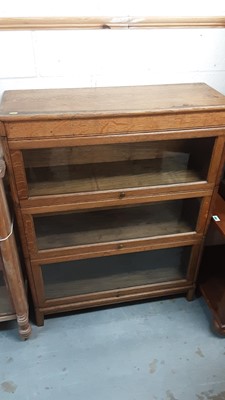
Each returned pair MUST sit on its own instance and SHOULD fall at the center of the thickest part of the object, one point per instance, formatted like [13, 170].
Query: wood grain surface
[107, 22]
[111, 101]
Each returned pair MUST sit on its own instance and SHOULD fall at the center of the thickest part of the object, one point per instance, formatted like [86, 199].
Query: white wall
[45, 59]
[28, 8]
[72, 58]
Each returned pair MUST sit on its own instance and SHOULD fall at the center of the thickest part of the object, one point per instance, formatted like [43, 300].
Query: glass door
[108, 167]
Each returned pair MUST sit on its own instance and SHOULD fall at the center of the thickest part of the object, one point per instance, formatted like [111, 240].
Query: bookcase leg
[190, 294]
[39, 317]
[219, 329]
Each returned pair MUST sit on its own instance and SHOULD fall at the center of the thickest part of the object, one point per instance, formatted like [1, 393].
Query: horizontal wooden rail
[37, 23]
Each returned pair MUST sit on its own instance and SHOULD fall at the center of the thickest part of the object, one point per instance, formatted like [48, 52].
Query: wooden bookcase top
[97, 102]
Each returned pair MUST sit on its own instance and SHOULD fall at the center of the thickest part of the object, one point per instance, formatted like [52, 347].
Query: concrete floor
[158, 350]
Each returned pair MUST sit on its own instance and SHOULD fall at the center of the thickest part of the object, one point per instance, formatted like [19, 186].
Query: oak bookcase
[112, 189]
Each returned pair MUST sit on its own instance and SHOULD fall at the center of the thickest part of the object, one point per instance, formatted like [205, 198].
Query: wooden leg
[190, 294]
[12, 268]
[39, 317]
[218, 328]
[24, 326]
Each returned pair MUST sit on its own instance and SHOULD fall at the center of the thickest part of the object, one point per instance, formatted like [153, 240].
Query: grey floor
[158, 350]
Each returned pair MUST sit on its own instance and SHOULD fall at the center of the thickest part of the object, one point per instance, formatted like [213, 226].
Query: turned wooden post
[11, 262]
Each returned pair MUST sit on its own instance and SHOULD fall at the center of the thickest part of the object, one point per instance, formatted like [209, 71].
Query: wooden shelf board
[115, 272]
[73, 229]
[108, 176]
[76, 286]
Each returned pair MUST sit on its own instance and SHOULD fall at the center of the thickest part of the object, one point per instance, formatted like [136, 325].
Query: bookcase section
[112, 189]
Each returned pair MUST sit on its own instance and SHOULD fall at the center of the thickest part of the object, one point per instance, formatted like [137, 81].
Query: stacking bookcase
[112, 189]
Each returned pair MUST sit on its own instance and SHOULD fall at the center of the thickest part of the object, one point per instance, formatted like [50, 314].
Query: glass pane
[5, 303]
[116, 166]
[115, 272]
[98, 226]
